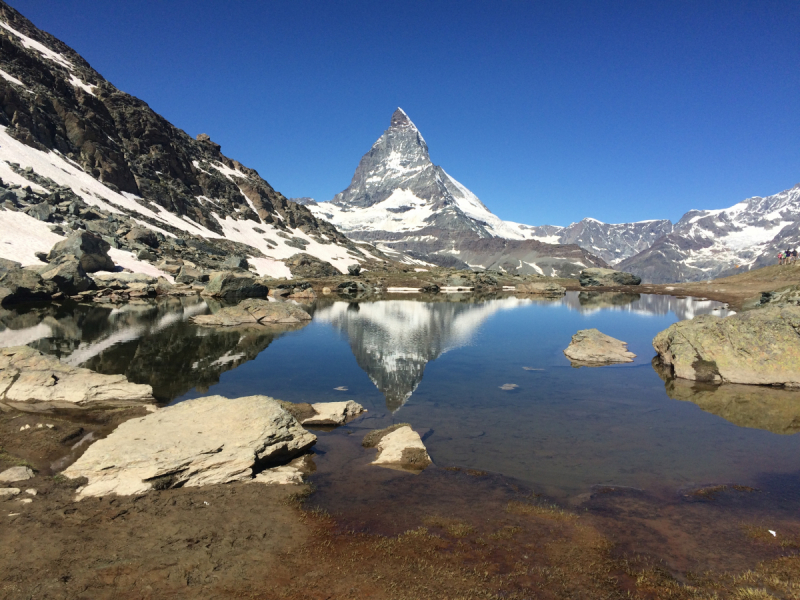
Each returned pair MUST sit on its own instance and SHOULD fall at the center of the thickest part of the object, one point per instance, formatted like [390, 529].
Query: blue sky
[548, 111]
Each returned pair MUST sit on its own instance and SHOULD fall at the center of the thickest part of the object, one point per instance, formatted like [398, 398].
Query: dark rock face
[90, 249]
[354, 269]
[64, 105]
[236, 262]
[230, 285]
[69, 276]
[607, 277]
[305, 265]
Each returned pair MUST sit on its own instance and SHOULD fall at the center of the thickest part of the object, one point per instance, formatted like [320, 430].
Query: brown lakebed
[601, 479]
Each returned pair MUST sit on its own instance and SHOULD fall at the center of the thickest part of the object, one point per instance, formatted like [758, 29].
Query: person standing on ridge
[780, 257]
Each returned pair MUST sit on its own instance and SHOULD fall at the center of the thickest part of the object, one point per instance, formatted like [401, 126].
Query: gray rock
[306, 265]
[399, 447]
[16, 474]
[8, 265]
[236, 262]
[24, 285]
[89, 248]
[141, 235]
[607, 277]
[760, 347]
[27, 375]
[145, 254]
[254, 312]
[224, 284]
[352, 288]
[191, 275]
[69, 276]
[199, 442]
[333, 413]
[43, 212]
[122, 280]
[787, 296]
[591, 348]
[354, 269]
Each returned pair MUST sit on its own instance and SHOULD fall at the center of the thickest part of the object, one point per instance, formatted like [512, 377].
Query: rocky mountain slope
[75, 153]
[399, 199]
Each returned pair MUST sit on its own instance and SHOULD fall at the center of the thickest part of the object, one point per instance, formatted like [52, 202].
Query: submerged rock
[598, 277]
[206, 441]
[759, 347]
[591, 348]
[399, 447]
[27, 375]
[292, 473]
[254, 312]
[541, 288]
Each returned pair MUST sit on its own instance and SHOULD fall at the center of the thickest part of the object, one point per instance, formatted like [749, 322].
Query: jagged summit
[400, 119]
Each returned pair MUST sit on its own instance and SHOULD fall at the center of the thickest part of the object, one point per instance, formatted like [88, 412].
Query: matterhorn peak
[400, 119]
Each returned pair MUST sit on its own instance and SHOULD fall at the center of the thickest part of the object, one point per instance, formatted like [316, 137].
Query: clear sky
[549, 111]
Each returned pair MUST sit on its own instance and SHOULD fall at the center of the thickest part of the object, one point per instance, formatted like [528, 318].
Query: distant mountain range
[399, 199]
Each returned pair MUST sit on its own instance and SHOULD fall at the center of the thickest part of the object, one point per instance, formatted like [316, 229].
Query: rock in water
[591, 348]
[198, 442]
[759, 347]
[224, 284]
[399, 447]
[254, 312]
[550, 290]
[607, 277]
[90, 249]
[24, 285]
[333, 413]
[27, 375]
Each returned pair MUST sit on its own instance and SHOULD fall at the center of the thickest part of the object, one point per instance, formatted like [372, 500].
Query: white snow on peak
[78, 83]
[39, 47]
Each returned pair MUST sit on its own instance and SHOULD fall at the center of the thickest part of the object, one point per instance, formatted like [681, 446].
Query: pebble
[31, 492]
[24, 427]
[26, 500]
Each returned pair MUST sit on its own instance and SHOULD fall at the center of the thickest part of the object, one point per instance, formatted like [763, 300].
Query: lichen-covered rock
[597, 277]
[399, 447]
[541, 288]
[27, 375]
[225, 284]
[592, 348]
[89, 248]
[788, 296]
[205, 441]
[141, 235]
[757, 347]
[255, 312]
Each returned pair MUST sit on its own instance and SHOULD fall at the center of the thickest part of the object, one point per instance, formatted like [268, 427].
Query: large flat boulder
[206, 441]
[399, 447]
[759, 347]
[224, 284]
[597, 277]
[333, 413]
[28, 376]
[592, 348]
[254, 312]
[88, 248]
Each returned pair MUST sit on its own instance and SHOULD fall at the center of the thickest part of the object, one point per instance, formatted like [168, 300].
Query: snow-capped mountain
[73, 138]
[400, 199]
[706, 244]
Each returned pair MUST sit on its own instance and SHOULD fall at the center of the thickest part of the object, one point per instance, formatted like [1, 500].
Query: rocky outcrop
[206, 441]
[607, 277]
[68, 275]
[591, 348]
[757, 347]
[399, 447]
[254, 312]
[225, 284]
[787, 296]
[305, 265]
[90, 249]
[541, 288]
[28, 376]
[24, 285]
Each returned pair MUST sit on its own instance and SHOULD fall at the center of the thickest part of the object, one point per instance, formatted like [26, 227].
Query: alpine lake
[693, 476]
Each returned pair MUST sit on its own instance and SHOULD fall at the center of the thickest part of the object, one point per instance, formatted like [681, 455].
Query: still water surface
[439, 365]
